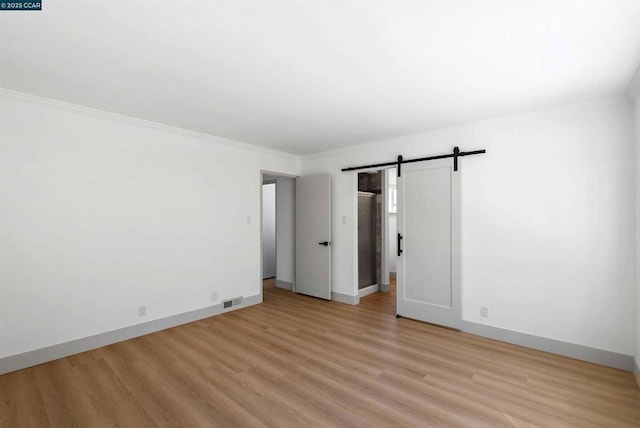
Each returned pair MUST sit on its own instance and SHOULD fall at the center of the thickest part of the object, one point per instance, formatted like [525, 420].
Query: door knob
[325, 243]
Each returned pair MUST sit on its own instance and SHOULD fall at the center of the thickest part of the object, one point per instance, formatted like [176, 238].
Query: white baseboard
[345, 298]
[368, 290]
[580, 352]
[54, 352]
[285, 285]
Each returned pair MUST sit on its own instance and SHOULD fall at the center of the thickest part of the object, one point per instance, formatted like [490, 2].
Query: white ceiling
[309, 76]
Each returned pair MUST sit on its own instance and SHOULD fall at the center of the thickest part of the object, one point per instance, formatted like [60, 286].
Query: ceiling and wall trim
[372, 145]
[305, 77]
[147, 123]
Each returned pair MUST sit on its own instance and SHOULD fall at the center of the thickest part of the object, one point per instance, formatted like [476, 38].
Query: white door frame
[384, 224]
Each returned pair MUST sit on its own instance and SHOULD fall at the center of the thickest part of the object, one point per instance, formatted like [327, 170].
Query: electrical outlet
[484, 312]
[142, 311]
[214, 296]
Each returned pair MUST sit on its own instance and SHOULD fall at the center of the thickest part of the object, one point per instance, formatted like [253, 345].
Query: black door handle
[399, 244]
[325, 243]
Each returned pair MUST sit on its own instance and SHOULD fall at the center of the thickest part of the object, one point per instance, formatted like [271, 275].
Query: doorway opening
[268, 229]
[373, 232]
[277, 231]
[392, 227]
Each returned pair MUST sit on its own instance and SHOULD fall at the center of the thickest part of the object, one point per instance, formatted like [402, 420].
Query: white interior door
[428, 269]
[313, 236]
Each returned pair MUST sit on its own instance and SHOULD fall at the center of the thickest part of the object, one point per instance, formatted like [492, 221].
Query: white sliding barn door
[428, 216]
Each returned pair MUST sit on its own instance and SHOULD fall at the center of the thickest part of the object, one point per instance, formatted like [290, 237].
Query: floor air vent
[233, 302]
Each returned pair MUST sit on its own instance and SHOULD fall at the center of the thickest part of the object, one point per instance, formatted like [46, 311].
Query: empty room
[320, 213]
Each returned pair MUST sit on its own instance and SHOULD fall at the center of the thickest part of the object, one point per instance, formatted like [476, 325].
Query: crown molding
[146, 123]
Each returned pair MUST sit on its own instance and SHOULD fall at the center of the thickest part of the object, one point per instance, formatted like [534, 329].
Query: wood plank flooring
[296, 361]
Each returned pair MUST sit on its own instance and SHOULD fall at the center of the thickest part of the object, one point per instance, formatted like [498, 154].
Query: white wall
[269, 230]
[285, 229]
[547, 219]
[102, 213]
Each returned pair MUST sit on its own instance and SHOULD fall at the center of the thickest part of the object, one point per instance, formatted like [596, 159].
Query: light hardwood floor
[296, 361]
